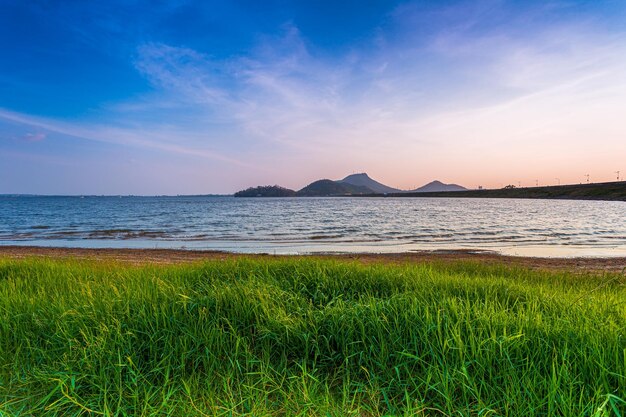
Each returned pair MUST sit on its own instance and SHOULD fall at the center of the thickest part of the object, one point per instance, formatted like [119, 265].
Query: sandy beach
[171, 256]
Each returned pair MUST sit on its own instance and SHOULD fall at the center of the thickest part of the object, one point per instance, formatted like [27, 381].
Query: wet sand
[173, 256]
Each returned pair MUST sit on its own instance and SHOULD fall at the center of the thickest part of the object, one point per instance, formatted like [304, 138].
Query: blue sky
[187, 97]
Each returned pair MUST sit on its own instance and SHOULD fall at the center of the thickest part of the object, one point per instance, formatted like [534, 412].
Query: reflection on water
[297, 225]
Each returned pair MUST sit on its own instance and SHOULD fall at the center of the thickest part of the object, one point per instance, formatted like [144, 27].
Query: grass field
[287, 337]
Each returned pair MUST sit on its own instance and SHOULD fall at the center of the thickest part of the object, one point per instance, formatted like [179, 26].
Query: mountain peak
[363, 180]
[438, 186]
[357, 175]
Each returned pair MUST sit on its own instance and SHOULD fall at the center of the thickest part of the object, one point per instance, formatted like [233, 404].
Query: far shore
[173, 256]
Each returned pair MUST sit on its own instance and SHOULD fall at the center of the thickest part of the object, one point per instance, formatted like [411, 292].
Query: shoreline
[178, 256]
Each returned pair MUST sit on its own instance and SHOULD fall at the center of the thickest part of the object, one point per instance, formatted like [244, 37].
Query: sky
[198, 97]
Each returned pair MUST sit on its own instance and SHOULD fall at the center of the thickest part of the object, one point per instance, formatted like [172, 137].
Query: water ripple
[327, 223]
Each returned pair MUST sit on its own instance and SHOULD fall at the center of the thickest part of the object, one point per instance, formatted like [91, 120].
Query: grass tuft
[309, 337]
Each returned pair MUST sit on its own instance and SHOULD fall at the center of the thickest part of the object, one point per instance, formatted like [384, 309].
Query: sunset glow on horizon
[196, 98]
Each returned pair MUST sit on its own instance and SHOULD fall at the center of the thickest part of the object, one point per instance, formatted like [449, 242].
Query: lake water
[311, 225]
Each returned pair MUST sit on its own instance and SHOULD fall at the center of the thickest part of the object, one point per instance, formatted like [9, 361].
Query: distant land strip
[355, 184]
[610, 191]
[361, 185]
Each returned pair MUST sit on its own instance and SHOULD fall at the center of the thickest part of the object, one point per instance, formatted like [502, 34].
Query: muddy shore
[172, 256]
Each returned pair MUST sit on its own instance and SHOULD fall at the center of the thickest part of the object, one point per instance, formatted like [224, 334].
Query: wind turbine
[587, 175]
[617, 172]
[558, 180]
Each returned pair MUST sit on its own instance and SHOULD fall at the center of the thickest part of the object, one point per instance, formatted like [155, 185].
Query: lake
[315, 225]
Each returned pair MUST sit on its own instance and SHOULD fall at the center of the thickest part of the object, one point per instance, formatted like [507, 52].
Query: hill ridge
[353, 184]
[364, 180]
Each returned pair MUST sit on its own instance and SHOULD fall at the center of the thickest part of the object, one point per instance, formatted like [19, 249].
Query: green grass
[287, 337]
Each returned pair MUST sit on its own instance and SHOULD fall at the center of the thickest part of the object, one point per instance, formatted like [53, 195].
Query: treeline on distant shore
[316, 189]
[266, 191]
[610, 191]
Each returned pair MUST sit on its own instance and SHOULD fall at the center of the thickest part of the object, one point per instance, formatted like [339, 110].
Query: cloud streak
[137, 138]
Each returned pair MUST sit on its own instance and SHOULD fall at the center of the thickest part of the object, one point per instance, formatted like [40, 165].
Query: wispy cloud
[138, 138]
[500, 86]
[34, 136]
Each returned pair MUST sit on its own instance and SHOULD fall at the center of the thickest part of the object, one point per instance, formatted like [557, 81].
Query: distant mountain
[322, 188]
[363, 180]
[355, 184]
[266, 191]
[437, 186]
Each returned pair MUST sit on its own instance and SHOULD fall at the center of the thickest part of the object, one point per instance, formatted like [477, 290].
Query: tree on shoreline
[266, 191]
